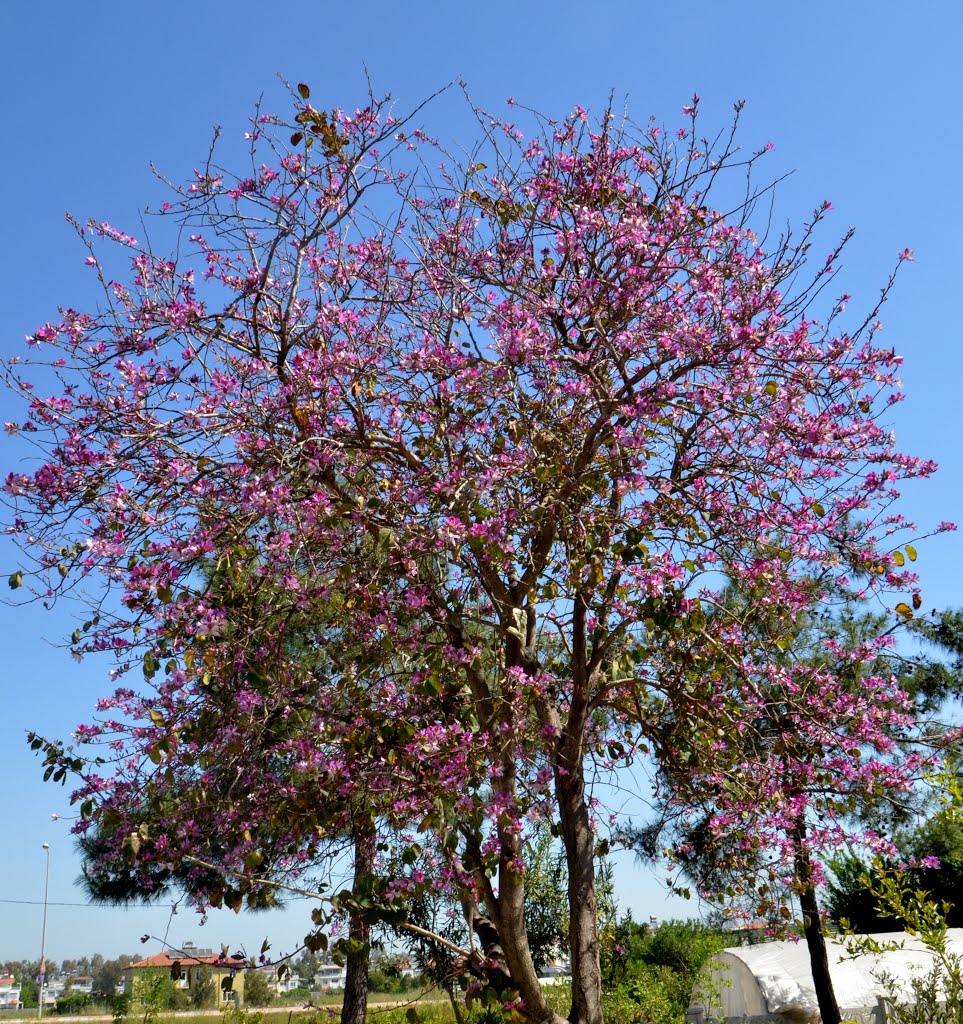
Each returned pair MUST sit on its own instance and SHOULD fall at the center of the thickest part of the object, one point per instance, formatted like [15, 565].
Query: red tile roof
[168, 959]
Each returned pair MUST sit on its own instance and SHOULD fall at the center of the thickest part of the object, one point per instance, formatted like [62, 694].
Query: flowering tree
[484, 429]
[760, 853]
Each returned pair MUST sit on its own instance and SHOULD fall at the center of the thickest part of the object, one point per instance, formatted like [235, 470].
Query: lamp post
[43, 936]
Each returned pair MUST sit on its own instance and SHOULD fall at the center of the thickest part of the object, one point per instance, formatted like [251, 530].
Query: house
[281, 986]
[9, 992]
[330, 976]
[54, 986]
[185, 966]
[747, 933]
[82, 983]
[558, 972]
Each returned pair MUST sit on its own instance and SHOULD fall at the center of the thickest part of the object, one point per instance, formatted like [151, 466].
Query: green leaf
[898, 558]
[911, 552]
[304, 91]
[771, 389]
[16, 580]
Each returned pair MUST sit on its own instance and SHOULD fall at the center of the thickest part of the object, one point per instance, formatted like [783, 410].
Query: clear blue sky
[861, 99]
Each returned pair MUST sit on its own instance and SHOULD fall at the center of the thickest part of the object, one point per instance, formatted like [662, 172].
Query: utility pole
[43, 936]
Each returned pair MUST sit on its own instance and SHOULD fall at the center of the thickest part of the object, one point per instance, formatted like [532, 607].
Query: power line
[104, 906]
[52, 903]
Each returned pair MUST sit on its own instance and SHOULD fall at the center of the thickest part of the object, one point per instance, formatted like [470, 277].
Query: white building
[82, 983]
[330, 976]
[288, 983]
[9, 993]
[53, 989]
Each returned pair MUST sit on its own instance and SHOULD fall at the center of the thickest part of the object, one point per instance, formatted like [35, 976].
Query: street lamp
[43, 937]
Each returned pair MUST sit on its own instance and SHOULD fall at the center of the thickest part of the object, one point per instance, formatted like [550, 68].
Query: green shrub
[651, 993]
[257, 988]
[119, 1006]
[486, 1015]
[28, 992]
[236, 1015]
[424, 1013]
[649, 973]
[72, 1002]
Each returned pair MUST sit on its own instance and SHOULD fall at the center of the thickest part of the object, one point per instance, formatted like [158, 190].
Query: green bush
[72, 1002]
[28, 992]
[119, 1006]
[425, 1013]
[486, 1015]
[203, 991]
[649, 973]
[257, 988]
[236, 1015]
[154, 993]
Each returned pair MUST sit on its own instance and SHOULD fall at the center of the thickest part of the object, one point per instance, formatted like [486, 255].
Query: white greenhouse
[771, 983]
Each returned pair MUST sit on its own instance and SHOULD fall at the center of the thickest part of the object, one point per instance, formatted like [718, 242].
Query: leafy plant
[935, 996]
[650, 972]
[72, 1002]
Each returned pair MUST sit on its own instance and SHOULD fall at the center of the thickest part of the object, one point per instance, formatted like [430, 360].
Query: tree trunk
[583, 932]
[355, 1005]
[449, 986]
[507, 911]
[507, 942]
[812, 929]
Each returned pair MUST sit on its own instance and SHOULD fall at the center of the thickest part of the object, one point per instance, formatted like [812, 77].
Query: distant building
[330, 976]
[282, 986]
[53, 988]
[9, 992]
[558, 972]
[184, 966]
[747, 933]
[82, 983]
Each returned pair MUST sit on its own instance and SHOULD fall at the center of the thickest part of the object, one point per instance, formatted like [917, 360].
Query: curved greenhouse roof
[772, 981]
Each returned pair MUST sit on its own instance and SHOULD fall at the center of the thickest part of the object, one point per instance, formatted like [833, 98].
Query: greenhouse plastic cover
[775, 977]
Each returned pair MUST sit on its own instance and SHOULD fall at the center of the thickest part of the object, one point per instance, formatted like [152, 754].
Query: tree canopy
[493, 428]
